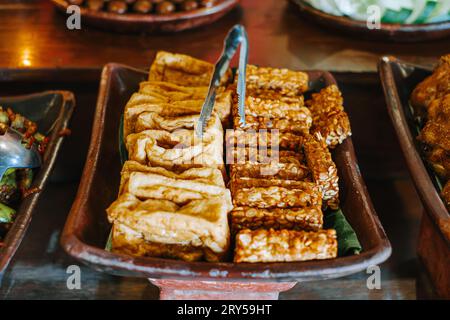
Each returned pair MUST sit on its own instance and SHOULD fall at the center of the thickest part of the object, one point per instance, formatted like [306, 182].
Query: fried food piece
[178, 150]
[238, 182]
[182, 70]
[283, 124]
[329, 117]
[278, 197]
[142, 104]
[275, 106]
[158, 183]
[446, 194]
[283, 81]
[440, 161]
[435, 86]
[166, 92]
[309, 218]
[264, 139]
[284, 167]
[160, 228]
[323, 170]
[436, 132]
[284, 245]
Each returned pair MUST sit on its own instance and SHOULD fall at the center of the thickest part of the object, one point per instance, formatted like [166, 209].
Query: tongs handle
[231, 43]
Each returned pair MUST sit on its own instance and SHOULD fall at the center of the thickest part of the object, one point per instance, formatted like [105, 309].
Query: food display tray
[51, 110]
[399, 78]
[87, 228]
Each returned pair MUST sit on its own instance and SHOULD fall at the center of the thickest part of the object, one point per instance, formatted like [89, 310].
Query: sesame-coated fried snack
[278, 197]
[329, 117]
[323, 170]
[283, 81]
[284, 245]
[182, 70]
[282, 124]
[238, 182]
[309, 218]
[435, 86]
[160, 228]
[263, 138]
[178, 150]
[256, 106]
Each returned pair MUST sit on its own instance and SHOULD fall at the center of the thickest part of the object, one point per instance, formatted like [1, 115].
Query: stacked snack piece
[431, 99]
[172, 200]
[281, 171]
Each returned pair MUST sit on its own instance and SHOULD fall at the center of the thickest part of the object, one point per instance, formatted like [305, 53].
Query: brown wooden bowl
[399, 79]
[133, 22]
[87, 229]
[51, 110]
[388, 31]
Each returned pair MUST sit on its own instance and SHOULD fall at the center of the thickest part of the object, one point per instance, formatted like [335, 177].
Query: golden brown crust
[436, 132]
[310, 218]
[323, 170]
[435, 86]
[182, 70]
[329, 117]
[283, 81]
[263, 139]
[278, 197]
[284, 245]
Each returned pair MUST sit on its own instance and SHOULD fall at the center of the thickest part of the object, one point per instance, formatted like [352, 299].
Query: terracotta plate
[51, 111]
[392, 32]
[132, 22]
[86, 230]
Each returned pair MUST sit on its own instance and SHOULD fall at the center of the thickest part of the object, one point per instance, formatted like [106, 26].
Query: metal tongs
[235, 37]
[14, 155]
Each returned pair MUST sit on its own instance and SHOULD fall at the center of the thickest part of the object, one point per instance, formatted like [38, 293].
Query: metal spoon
[13, 154]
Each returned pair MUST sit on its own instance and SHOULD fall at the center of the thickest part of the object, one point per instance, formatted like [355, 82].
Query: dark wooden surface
[34, 36]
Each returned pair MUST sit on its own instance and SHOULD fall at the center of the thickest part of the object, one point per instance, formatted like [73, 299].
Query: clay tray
[86, 230]
[133, 22]
[51, 110]
[399, 78]
[388, 31]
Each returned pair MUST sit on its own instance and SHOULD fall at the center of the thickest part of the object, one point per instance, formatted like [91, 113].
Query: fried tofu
[141, 104]
[284, 245]
[158, 183]
[182, 70]
[180, 149]
[161, 228]
[446, 194]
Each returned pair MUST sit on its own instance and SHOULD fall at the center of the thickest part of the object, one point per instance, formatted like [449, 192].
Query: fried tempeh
[323, 170]
[284, 245]
[278, 197]
[329, 117]
[309, 218]
[283, 81]
[283, 125]
[160, 228]
[263, 139]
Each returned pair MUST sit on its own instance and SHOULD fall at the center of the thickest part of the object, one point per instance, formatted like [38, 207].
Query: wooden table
[34, 39]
